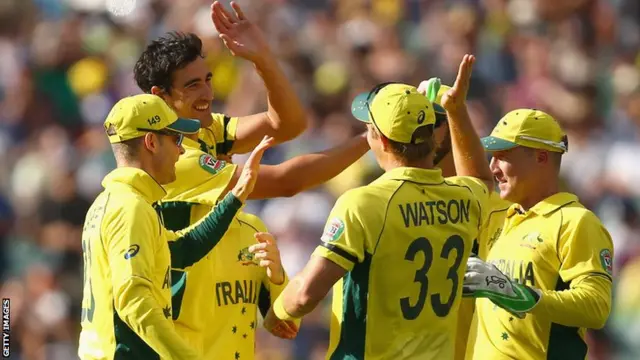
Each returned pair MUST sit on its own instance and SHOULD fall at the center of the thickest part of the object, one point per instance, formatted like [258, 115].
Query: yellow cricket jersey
[404, 240]
[489, 232]
[126, 305]
[557, 245]
[218, 138]
[241, 288]
[215, 301]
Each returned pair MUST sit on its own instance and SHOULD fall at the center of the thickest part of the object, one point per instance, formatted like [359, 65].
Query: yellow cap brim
[184, 126]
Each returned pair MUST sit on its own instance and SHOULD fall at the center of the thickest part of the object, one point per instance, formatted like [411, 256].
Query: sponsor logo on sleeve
[210, 164]
[333, 230]
[132, 251]
[607, 261]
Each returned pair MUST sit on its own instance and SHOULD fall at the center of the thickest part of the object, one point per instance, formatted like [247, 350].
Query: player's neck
[193, 137]
[140, 163]
[393, 162]
[547, 190]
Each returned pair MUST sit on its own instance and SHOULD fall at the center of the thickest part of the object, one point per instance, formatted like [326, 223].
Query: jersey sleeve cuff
[336, 255]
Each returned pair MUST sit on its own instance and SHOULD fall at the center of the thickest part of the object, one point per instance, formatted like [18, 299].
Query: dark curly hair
[163, 57]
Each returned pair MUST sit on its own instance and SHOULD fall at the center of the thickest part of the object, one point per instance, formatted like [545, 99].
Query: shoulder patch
[606, 260]
[333, 230]
[210, 164]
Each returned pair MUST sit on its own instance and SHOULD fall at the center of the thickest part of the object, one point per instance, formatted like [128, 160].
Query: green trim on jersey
[354, 312]
[224, 148]
[565, 342]
[128, 344]
[177, 215]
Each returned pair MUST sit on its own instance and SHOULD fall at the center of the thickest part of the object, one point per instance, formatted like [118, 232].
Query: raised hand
[266, 251]
[240, 35]
[249, 175]
[455, 99]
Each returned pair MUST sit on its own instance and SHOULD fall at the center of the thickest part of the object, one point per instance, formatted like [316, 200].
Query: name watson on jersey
[435, 212]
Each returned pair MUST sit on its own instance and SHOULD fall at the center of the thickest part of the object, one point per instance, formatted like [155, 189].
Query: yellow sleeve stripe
[323, 252]
[341, 252]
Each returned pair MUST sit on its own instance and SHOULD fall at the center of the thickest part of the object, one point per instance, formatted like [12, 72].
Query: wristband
[280, 312]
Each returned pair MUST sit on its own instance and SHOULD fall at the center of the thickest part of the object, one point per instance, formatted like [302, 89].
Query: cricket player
[550, 268]
[395, 249]
[205, 314]
[493, 222]
[174, 68]
[126, 306]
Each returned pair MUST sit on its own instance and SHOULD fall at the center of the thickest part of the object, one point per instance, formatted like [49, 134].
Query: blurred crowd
[64, 63]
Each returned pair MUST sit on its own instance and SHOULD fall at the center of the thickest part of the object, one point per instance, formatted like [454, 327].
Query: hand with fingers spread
[242, 37]
[285, 329]
[455, 99]
[267, 253]
[249, 175]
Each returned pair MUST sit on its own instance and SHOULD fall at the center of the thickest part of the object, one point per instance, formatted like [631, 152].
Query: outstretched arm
[305, 291]
[285, 117]
[468, 153]
[306, 171]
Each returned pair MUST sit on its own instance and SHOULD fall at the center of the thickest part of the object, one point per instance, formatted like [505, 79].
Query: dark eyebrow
[195, 80]
[192, 81]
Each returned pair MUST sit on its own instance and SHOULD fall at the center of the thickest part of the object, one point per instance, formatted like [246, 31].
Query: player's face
[514, 171]
[373, 138]
[191, 94]
[167, 150]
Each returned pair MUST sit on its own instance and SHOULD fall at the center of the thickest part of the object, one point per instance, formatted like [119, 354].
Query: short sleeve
[343, 239]
[585, 247]
[221, 133]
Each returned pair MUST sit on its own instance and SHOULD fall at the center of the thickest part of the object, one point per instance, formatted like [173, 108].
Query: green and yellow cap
[396, 110]
[134, 116]
[527, 127]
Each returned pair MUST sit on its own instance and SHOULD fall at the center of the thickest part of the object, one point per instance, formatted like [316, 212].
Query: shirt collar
[136, 179]
[418, 175]
[198, 145]
[186, 142]
[546, 206]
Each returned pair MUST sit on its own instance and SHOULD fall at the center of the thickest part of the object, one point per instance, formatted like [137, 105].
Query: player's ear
[542, 157]
[151, 142]
[156, 90]
[385, 142]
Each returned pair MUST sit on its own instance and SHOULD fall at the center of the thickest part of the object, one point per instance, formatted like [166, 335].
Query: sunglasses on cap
[179, 137]
[562, 145]
[440, 117]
